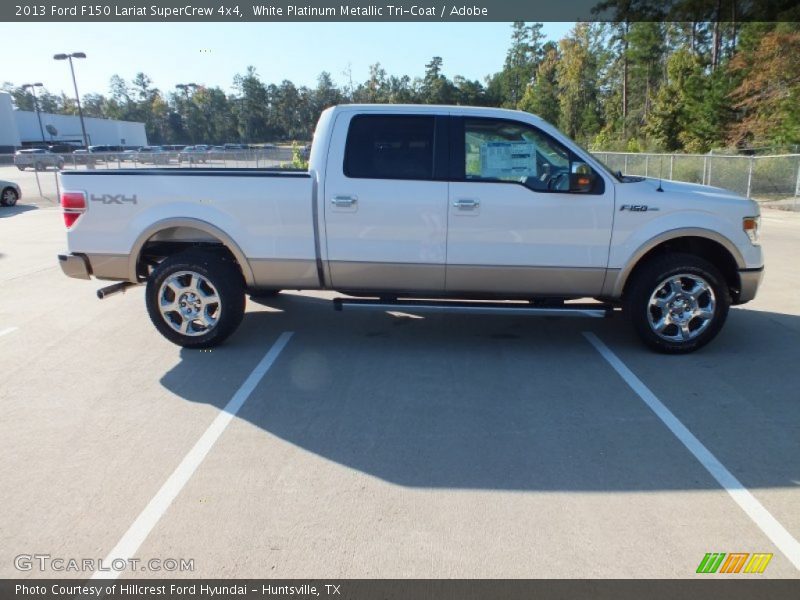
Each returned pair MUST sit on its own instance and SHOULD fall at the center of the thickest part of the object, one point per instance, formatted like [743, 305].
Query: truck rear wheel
[677, 303]
[195, 299]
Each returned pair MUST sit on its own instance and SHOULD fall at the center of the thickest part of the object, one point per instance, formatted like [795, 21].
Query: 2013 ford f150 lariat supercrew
[413, 202]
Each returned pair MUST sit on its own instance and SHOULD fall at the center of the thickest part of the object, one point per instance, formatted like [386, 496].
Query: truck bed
[268, 215]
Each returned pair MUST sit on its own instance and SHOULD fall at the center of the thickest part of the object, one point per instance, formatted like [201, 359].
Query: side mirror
[581, 179]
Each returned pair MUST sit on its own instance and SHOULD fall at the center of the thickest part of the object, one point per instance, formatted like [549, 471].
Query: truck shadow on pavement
[10, 211]
[511, 402]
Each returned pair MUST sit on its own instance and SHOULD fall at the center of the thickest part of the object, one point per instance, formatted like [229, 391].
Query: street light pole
[33, 87]
[75, 85]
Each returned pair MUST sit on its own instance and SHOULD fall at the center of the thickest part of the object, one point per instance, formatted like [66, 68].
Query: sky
[212, 53]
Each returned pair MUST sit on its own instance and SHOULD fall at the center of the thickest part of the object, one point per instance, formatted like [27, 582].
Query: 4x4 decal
[114, 198]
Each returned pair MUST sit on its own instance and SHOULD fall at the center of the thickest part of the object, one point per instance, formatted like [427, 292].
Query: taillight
[73, 205]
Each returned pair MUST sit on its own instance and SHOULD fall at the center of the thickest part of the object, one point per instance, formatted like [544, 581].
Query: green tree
[94, 105]
[768, 92]
[250, 106]
[401, 90]
[542, 97]
[436, 88]
[326, 94]
[670, 114]
[468, 93]
[577, 73]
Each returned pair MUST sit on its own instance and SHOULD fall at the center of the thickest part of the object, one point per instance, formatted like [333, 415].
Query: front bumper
[749, 279]
[75, 265]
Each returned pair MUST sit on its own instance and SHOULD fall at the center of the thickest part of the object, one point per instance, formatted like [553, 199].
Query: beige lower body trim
[612, 287]
[467, 279]
[267, 273]
[534, 281]
[284, 274]
[394, 277]
[74, 265]
[109, 266]
[750, 280]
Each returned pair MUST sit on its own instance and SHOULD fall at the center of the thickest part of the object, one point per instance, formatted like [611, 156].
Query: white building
[21, 128]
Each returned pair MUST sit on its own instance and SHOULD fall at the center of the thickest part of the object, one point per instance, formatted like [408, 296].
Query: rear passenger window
[389, 147]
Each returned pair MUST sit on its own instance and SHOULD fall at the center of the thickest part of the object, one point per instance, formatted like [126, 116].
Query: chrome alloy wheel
[189, 303]
[681, 307]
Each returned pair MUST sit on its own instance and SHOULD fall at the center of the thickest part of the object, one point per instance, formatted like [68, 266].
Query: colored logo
[735, 562]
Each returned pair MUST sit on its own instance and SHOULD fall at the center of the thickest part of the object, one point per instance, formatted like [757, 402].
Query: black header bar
[398, 10]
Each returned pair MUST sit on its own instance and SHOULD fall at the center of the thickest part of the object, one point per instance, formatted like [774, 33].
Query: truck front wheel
[195, 299]
[677, 303]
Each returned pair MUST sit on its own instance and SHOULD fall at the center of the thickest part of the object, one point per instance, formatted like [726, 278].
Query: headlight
[751, 225]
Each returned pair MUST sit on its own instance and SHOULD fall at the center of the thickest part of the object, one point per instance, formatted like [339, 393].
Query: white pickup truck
[404, 203]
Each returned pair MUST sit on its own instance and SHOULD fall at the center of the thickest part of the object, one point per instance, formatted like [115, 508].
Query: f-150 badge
[638, 207]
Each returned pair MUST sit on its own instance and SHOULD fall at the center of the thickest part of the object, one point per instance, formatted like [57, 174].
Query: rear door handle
[343, 201]
[466, 203]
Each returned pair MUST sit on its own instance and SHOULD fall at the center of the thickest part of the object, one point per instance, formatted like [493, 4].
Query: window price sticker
[503, 160]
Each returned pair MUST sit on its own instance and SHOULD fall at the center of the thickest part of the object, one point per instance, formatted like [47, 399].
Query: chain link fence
[765, 178]
[268, 157]
[775, 177]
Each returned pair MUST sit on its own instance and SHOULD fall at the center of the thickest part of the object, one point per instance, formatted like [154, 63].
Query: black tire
[222, 275]
[685, 333]
[9, 197]
[20, 167]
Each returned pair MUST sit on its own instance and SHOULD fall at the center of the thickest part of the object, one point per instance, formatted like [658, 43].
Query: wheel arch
[705, 243]
[210, 232]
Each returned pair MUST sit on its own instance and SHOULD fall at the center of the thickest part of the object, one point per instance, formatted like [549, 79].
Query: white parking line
[787, 544]
[144, 523]
[7, 330]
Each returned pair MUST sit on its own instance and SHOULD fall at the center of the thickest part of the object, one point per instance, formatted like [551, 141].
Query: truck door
[385, 212]
[526, 215]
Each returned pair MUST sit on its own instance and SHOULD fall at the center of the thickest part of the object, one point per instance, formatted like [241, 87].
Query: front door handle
[343, 201]
[466, 203]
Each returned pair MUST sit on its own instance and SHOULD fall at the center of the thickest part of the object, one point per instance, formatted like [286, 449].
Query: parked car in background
[106, 152]
[216, 153]
[236, 151]
[153, 154]
[193, 154]
[9, 193]
[268, 151]
[62, 148]
[81, 157]
[174, 150]
[37, 158]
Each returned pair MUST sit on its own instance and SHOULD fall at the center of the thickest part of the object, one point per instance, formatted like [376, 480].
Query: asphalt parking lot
[367, 444]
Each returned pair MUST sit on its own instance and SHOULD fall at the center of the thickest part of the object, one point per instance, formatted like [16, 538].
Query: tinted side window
[389, 147]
